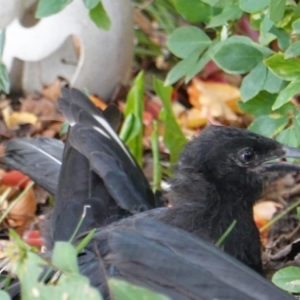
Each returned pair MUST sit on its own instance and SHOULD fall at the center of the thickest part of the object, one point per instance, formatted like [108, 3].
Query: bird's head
[232, 160]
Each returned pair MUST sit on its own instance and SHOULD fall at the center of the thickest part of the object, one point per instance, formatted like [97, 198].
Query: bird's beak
[282, 166]
[291, 152]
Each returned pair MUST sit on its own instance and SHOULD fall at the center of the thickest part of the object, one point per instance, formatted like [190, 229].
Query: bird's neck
[213, 208]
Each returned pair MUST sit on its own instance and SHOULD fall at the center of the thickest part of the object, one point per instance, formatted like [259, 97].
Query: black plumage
[218, 178]
[40, 158]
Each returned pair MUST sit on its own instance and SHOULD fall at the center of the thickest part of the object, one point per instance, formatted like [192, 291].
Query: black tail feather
[39, 158]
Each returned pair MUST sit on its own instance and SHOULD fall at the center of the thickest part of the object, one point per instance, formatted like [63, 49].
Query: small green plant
[132, 130]
[4, 80]
[63, 280]
[289, 278]
[268, 58]
[96, 10]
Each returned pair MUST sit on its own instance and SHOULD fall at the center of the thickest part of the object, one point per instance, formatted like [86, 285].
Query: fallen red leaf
[16, 179]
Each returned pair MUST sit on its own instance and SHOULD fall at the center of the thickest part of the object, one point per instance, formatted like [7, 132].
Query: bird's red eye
[248, 155]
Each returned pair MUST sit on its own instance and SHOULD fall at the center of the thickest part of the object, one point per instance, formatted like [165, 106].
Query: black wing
[170, 261]
[109, 158]
[39, 158]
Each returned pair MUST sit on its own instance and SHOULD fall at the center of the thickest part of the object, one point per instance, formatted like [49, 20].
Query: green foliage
[252, 6]
[99, 16]
[4, 79]
[4, 296]
[298, 213]
[270, 78]
[174, 139]
[227, 55]
[227, 14]
[190, 44]
[251, 86]
[132, 130]
[286, 69]
[47, 8]
[64, 129]
[195, 12]
[97, 12]
[224, 236]
[185, 40]
[123, 290]
[157, 169]
[288, 279]
[269, 125]
[66, 282]
[65, 256]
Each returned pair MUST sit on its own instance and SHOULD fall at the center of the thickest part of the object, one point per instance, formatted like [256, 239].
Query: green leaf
[64, 257]
[298, 213]
[157, 169]
[220, 3]
[297, 10]
[83, 242]
[185, 40]
[251, 6]
[135, 106]
[182, 68]
[50, 7]
[64, 129]
[273, 84]
[286, 69]
[4, 79]
[174, 139]
[293, 50]
[228, 14]
[260, 105]
[200, 64]
[277, 8]
[130, 129]
[288, 137]
[296, 124]
[123, 290]
[250, 85]
[32, 263]
[237, 58]
[73, 287]
[268, 125]
[194, 11]
[236, 39]
[99, 16]
[90, 4]
[211, 2]
[287, 93]
[288, 279]
[2, 42]
[225, 235]
[283, 37]
[4, 296]
[296, 26]
[265, 37]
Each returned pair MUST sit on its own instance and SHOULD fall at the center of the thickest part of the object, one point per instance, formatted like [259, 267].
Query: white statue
[38, 51]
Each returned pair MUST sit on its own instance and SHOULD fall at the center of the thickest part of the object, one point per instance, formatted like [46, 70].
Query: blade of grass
[79, 223]
[280, 215]
[16, 201]
[4, 195]
[85, 240]
[157, 170]
[225, 234]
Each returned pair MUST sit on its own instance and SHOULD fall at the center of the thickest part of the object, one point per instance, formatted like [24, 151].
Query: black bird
[218, 178]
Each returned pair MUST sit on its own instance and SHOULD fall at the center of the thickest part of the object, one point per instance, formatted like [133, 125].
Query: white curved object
[48, 52]
[9, 9]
